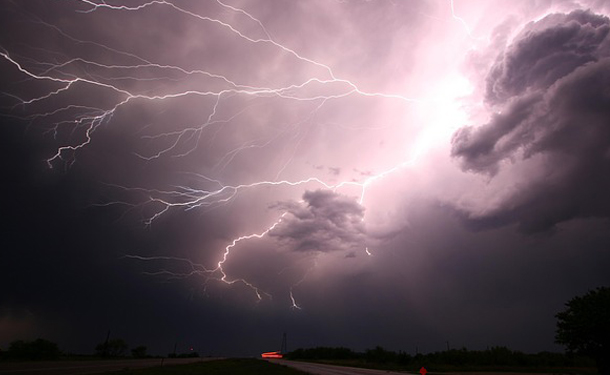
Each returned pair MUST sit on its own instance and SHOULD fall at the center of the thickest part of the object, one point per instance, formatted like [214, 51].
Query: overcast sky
[353, 173]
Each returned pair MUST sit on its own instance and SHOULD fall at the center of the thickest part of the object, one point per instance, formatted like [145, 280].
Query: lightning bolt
[65, 74]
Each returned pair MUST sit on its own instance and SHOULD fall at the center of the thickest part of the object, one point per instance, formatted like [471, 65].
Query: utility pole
[284, 347]
[105, 351]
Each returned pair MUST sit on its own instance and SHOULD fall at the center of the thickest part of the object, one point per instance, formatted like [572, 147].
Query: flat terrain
[87, 367]
[235, 366]
[207, 366]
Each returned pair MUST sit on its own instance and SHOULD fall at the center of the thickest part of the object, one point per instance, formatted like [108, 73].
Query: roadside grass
[234, 366]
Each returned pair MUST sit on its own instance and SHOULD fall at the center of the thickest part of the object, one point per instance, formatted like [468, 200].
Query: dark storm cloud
[481, 148]
[546, 51]
[67, 230]
[551, 87]
[324, 221]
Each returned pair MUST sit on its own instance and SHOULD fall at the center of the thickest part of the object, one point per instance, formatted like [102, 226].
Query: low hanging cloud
[323, 221]
[550, 91]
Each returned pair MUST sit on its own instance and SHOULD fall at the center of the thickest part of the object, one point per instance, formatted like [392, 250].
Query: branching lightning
[110, 79]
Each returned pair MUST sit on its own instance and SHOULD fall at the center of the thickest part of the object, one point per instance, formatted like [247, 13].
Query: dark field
[244, 366]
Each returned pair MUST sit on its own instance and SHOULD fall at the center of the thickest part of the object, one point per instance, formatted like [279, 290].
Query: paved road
[321, 369]
[87, 367]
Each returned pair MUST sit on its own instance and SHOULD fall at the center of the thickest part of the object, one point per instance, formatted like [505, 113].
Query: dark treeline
[45, 350]
[495, 356]
[37, 350]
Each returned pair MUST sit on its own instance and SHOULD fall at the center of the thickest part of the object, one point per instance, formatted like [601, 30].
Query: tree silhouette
[139, 352]
[112, 348]
[39, 349]
[584, 327]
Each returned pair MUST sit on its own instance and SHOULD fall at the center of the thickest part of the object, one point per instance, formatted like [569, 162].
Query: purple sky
[354, 173]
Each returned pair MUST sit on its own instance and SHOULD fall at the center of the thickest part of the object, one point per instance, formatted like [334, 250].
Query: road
[321, 369]
[87, 367]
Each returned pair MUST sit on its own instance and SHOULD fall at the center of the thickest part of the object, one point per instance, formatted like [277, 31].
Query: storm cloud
[353, 173]
[549, 92]
[323, 221]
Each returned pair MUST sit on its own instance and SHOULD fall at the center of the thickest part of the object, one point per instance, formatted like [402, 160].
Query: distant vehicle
[272, 355]
[278, 354]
